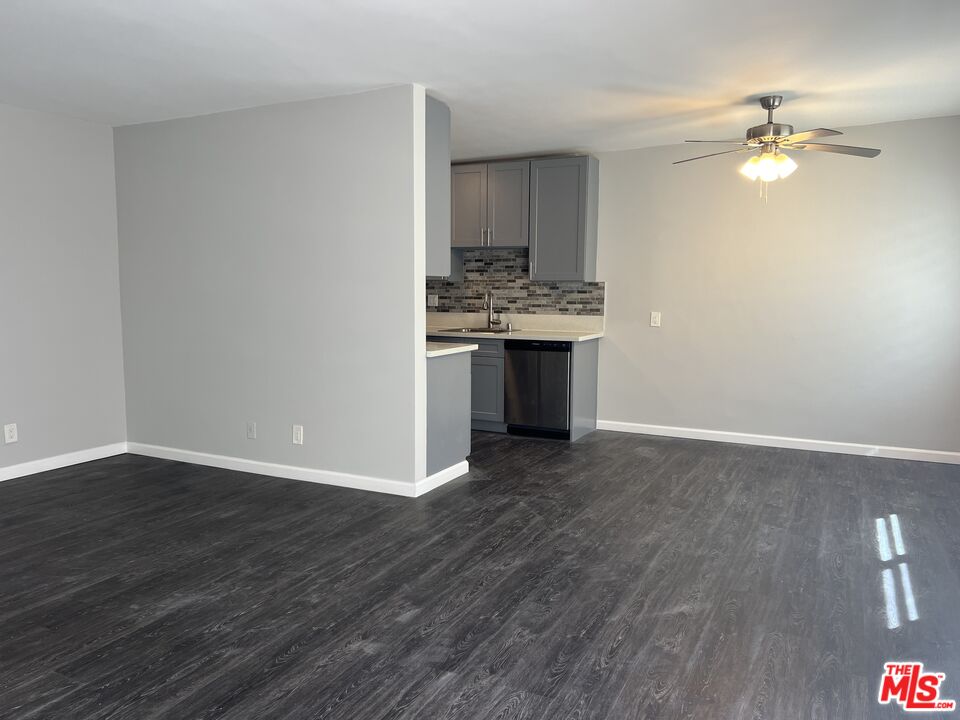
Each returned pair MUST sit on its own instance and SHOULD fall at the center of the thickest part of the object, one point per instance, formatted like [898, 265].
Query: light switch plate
[654, 319]
[298, 434]
[251, 430]
[433, 300]
[10, 434]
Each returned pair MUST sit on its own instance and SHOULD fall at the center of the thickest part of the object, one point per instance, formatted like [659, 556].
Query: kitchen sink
[491, 331]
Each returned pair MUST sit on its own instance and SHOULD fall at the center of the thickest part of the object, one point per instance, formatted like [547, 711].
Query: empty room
[418, 360]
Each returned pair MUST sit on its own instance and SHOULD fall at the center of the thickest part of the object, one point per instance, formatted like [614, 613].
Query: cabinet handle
[483, 240]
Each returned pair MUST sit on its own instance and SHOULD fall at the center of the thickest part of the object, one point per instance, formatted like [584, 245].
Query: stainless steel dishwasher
[536, 382]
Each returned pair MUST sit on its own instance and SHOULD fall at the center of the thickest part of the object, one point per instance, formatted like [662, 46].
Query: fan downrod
[769, 131]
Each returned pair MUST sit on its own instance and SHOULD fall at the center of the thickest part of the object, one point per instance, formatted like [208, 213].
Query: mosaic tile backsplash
[506, 273]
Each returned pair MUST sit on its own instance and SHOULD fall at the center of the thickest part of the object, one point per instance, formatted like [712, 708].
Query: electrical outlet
[10, 433]
[298, 434]
[251, 430]
[433, 300]
[654, 319]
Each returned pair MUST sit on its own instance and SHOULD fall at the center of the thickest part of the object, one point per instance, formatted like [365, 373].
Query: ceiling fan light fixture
[768, 166]
[785, 164]
[749, 168]
[772, 164]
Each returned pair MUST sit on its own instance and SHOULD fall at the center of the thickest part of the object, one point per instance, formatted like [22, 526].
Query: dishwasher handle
[538, 345]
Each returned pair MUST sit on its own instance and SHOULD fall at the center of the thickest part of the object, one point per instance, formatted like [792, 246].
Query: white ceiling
[520, 75]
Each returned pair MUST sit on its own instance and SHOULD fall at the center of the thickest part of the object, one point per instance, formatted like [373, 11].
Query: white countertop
[520, 334]
[438, 349]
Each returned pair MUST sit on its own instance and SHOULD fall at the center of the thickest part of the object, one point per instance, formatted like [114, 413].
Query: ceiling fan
[771, 138]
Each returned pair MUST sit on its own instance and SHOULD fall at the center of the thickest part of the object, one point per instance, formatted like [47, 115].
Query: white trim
[884, 451]
[60, 461]
[439, 478]
[292, 472]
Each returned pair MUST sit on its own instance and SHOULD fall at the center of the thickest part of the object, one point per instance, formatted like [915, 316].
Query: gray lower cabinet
[448, 411]
[563, 218]
[486, 388]
[486, 382]
[490, 204]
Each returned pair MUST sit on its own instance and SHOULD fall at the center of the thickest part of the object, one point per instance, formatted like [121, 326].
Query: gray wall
[61, 372]
[272, 270]
[831, 313]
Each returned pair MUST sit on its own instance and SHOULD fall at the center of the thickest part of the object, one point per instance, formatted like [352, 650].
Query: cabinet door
[508, 204]
[558, 219]
[437, 154]
[486, 383]
[468, 190]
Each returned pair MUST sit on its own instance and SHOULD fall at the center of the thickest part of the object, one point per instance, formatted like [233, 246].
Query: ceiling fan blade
[725, 152]
[728, 142]
[809, 135]
[842, 149]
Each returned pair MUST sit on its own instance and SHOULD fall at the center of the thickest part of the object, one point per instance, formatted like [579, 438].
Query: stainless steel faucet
[488, 306]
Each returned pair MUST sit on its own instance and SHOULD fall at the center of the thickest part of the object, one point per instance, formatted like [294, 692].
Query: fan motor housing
[768, 132]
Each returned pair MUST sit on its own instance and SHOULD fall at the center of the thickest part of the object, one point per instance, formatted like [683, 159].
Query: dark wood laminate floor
[620, 577]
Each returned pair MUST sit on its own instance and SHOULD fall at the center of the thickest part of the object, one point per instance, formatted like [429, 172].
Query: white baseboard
[60, 461]
[439, 478]
[292, 472]
[883, 451]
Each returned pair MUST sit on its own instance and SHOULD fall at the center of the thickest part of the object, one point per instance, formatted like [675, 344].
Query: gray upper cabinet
[469, 205]
[437, 156]
[563, 218]
[491, 204]
[508, 204]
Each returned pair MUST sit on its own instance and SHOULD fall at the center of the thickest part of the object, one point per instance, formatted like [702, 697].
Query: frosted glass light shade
[749, 168]
[768, 166]
[785, 164]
